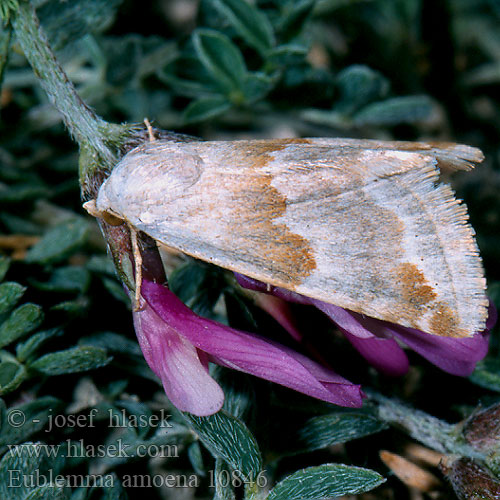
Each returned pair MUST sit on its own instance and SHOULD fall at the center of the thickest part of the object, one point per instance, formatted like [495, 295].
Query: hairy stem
[84, 125]
[98, 140]
[430, 431]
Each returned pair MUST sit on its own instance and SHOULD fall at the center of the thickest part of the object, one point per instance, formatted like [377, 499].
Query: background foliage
[403, 69]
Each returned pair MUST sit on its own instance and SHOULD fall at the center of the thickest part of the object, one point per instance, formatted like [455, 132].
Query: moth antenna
[138, 268]
[150, 130]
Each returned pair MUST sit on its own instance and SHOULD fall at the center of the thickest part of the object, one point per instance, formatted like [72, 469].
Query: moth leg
[150, 130]
[138, 268]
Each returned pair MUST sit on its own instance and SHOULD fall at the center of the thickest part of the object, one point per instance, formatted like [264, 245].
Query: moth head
[106, 215]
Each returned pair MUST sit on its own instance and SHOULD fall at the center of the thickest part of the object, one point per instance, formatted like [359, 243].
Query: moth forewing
[364, 225]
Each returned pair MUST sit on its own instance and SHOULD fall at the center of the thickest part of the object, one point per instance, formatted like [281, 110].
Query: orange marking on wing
[444, 321]
[289, 255]
[421, 300]
[414, 287]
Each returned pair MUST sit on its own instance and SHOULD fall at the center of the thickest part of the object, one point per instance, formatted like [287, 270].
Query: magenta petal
[346, 391]
[250, 283]
[274, 303]
[250, 353]
[280, 311]
[367, 335]
[309, 378]
[282, 293]
[176, 361]
[354, 323]
[453, 355]
[373, 338]
[384, 354]
[144, 343]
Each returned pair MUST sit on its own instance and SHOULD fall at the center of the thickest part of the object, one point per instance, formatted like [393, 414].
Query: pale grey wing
[449, 155]
[368, 229]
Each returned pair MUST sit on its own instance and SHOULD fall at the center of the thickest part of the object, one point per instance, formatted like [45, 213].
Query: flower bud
[482, 429]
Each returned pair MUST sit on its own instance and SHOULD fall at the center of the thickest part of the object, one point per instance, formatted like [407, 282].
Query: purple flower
[379, 341]
[178, 345]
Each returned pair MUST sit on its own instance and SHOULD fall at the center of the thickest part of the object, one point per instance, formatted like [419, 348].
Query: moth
[365, 225]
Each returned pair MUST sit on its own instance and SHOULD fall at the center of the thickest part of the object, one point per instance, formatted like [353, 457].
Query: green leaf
[240, 311]
[76, 307]
[113, 342]
[223, 484]
[116, 290]
[256, 86]
[134, 57]
[68, 279]
[65, 22]
[485, 74]
[330, 118]
[20, 193]
[494, 292]
[7, 9]
[189, 88]
[287, 54]
[250, 23]
[3, 416]
[293, 17]
[26, 419]
[29, 460]
[138, 369]
[325, 482]
[487, 374]
[198, 285]
[81, 494]
[228, 438]
[73, 360]
[358, 86]
[165, 443]
[59, 243]
[135, 412]
[26, 349]
[239, 392]
[101, 264]
[326, 430]
[196, 458]
[10, 293]
[114, 492]
[12, 373]
[19, 225]
[4, 266]
[21, 321]
[114, 389]
[204, 109]
[221, 59]
[409, 109]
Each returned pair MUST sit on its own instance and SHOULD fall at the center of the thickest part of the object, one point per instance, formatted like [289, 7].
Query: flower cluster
[178, 345]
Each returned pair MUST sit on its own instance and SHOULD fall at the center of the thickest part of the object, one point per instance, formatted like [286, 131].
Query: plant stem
[430, 431]
[98, 140]
[84, 125]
